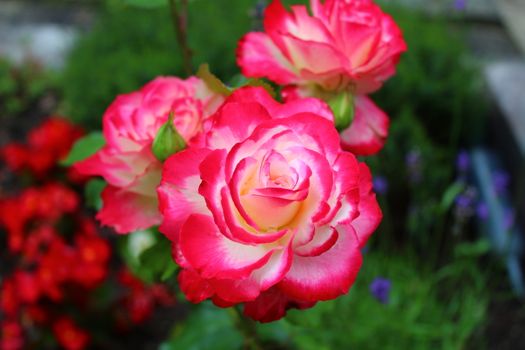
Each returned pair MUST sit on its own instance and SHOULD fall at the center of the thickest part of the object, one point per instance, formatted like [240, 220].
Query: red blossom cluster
[55, 254]
[45, 145]
[139, 300]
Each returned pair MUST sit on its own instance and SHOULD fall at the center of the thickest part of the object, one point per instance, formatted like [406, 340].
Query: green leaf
[472, 249]
[84, 148]
[147, 253]
[156, 262]
[207, 327]
[169, 271]
[277, 332]
[146, 3]
[92, 192]
[450, 195]
[213, 83]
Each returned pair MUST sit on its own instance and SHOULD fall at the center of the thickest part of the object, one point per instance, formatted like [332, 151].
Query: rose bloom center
[273, 190]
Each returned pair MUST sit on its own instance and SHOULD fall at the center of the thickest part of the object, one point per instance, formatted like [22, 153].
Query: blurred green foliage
[207, 327]
[436, 79]
[126, 48]
[21, 87]
[418, 173]
[427, 309]
[129, 46]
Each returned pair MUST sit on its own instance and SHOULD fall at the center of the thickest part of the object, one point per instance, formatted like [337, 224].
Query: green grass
[427, 310]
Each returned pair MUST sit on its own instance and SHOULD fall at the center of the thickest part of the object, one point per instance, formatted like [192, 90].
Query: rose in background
[345, 50]
[127, 162]
[270, 211]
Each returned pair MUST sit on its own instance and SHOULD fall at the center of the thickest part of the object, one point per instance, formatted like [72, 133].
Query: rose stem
[180, 23]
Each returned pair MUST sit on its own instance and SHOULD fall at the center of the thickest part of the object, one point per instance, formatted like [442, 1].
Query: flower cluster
[45, 145]
[56, 256]
[136, 305]
[267, 205]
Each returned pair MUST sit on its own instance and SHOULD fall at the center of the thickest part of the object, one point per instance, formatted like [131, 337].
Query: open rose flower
[345, 46]
[127, 163]
[346, 43]
[270, 212]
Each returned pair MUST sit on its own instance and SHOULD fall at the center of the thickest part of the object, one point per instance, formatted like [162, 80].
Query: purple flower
[500, 181]
[463, 161]
[508, 219]
[482, 211]
[413, 163]
[413, 158]
[380, 184]
[380, 289]
[464, 201]
[460, 5]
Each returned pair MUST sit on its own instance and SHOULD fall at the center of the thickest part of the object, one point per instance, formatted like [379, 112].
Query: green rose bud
[342, 106]
[168, 141]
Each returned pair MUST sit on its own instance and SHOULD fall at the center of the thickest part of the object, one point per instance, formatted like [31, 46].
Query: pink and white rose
[127, 163]
[270, 211]
[344, 44]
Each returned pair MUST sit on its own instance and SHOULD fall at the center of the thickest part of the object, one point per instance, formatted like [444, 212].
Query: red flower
[37, 240]
[93, 255]
[13, 217]
[55, 268]
[56, 200]
[37, 314]
[141, 299]
[55, 135]
[47, 143]
[12, 337]
[69, 335]
[27, 286]
[15, 156]
[9, 302]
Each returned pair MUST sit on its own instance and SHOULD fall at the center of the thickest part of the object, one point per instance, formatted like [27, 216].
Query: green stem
[179, 17]
[247, 327]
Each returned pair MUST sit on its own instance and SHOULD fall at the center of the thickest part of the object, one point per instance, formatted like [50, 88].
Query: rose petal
[259, 57]
[328, 275]
[126, 211]
[272, 305]
[368, 132]
[214, 255]
[178, 192]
